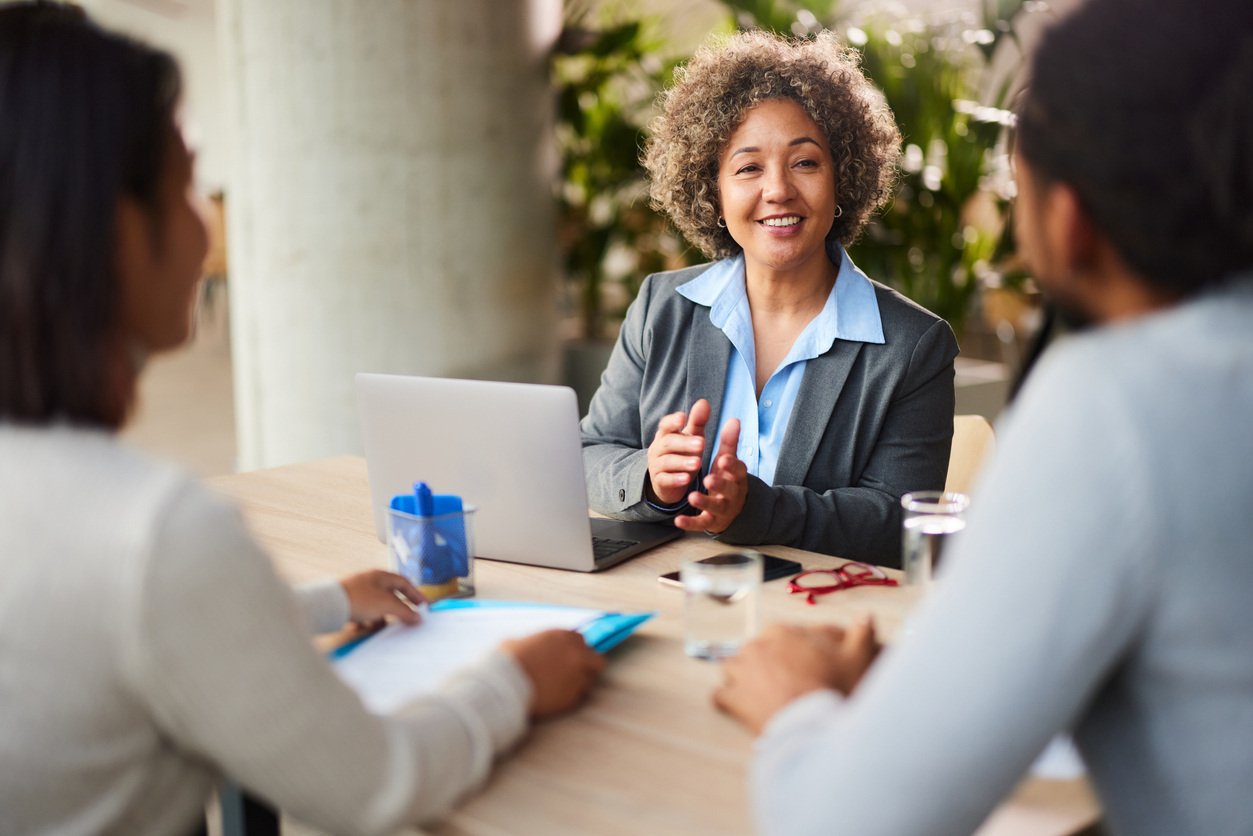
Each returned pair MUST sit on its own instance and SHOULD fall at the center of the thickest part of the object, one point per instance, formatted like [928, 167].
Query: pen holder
[435, 553]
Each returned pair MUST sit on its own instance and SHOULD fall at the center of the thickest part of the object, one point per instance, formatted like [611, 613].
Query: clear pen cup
[435, 553]
[929, 519]
[720, 603]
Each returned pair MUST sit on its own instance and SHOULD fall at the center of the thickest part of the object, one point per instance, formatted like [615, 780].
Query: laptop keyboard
[605, 547]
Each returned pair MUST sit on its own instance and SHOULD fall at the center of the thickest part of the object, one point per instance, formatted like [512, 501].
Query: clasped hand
[674, 460]
[786, 662]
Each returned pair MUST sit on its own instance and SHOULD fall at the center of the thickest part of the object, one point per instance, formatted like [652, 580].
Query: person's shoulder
[84, 461]
[908, 324]
[661, 284]
[899, 311]
[658, 300]
[145, 491]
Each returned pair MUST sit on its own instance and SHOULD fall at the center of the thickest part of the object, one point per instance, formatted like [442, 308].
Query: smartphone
[771, 568]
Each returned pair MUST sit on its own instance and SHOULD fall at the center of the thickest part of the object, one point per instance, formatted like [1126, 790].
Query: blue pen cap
[431, 542]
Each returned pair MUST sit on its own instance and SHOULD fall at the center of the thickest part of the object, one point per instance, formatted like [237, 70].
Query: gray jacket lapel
[824, 380]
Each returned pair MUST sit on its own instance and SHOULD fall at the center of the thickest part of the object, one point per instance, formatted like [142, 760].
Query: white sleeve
[221, 655]
[324, 604]
[1035, 604]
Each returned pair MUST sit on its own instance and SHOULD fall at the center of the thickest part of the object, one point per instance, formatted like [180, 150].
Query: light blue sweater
[1104, 584]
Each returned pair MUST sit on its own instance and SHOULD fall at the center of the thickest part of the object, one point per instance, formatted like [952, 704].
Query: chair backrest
[973, 441]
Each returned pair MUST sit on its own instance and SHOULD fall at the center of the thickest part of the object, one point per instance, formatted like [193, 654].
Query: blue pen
[435, 568]
[351, 645]
[424, 499]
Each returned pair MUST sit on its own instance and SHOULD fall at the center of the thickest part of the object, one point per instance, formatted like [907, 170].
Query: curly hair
[709, 100]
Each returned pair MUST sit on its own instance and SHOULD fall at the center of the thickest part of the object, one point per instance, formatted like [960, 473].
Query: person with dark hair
[834, 393]
[1103, 582]
[147, 647]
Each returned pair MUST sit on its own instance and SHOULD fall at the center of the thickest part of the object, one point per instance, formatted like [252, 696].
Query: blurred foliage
[946, 78]
[607, 71]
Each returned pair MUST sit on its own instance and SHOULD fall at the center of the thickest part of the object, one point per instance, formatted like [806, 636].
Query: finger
[697, 522]
[671, 423]
[733, 468]
[860, 638]
[729, 438]
[831, 632]
[719, 485]
[714, 502]
[677, 463]
[671, 481]
[389, 604]
[723, 699]
[404, 589]
[405, 597]
[698, 418]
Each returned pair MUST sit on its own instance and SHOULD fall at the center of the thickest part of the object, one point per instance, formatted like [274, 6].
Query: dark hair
[1146, 111]
[85, 118]
[722, 82]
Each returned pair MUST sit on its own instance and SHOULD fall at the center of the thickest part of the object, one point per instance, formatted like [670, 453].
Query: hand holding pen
[376, 595]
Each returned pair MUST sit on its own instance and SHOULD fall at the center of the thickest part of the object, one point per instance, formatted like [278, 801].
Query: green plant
[607, 75]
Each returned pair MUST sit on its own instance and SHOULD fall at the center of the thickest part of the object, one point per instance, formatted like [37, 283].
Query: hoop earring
[721, 223]
[838, 211]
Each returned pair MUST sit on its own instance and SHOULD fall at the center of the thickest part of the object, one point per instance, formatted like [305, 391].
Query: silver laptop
[512, 450]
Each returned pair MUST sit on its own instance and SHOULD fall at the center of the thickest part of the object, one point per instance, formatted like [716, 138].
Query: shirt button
[767, 404]
[622, 496]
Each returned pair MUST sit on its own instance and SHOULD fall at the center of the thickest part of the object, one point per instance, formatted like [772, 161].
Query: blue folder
[601, 634]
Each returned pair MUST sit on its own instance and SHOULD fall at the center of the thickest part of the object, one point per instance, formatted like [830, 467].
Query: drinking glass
[720, 603]
[930, 517]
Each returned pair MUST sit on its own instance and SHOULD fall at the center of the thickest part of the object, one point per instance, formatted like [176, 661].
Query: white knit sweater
[147, 648]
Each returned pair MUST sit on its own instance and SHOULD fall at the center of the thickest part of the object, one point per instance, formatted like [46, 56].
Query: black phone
[771, 568]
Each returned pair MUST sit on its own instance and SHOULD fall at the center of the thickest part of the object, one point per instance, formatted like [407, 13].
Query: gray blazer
[871, 423]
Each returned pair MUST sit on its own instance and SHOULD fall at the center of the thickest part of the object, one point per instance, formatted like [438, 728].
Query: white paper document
[400, 663]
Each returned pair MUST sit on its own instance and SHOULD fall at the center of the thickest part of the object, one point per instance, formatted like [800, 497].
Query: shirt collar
[851, 312]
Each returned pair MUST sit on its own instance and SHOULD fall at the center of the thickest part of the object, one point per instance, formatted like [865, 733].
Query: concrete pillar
[390, 205]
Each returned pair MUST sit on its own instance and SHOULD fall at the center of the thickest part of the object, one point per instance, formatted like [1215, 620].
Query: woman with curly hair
[834, 394]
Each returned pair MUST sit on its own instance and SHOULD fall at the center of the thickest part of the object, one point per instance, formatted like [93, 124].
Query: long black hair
[85, 118]
[1146, 111]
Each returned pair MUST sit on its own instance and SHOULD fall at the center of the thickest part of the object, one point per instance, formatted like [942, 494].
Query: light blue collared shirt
[851, 313]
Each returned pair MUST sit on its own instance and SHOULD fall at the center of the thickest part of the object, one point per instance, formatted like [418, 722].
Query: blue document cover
[602, 633]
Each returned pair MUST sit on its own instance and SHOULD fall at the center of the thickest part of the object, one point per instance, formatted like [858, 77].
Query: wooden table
[647, 753]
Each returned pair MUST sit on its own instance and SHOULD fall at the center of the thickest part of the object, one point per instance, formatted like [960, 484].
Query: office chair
[973, 442]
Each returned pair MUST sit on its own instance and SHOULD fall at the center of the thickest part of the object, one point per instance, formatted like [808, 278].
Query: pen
[352, 644]
[434, 560]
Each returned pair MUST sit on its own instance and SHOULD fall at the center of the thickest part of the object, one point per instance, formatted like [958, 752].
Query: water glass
[720, 603]
[930, 517]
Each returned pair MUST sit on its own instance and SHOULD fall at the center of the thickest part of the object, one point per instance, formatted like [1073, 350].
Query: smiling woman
[834, 394]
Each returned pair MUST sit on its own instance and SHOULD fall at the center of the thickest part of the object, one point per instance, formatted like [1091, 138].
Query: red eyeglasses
[814, 582]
